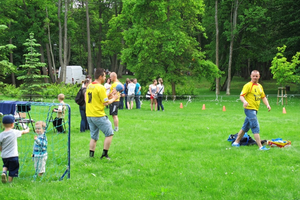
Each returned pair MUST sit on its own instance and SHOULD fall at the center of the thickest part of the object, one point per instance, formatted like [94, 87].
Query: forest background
[174, 40]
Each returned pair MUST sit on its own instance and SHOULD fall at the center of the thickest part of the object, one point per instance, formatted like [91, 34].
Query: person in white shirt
[130, 96]
[153, 95]
[160, 91]
[107, 86]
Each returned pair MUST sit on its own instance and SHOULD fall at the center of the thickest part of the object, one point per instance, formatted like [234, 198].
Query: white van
[74, 74]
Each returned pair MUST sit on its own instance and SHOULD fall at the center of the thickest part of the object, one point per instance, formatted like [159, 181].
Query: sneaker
[116, 129]
[263, 148]
[235, 145]
[4, 179]
[107, 157]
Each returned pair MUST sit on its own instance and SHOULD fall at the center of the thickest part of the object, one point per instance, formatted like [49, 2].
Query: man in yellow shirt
[251, 95]
[113, 108]
[96, 100]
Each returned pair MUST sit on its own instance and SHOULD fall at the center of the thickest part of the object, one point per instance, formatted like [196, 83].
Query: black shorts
[12, 165]
[113, 108]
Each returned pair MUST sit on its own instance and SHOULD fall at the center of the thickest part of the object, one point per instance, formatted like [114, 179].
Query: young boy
[57, 122]
[9, 148]
[40, 148]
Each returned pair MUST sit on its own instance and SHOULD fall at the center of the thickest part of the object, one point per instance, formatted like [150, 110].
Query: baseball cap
[8, 119]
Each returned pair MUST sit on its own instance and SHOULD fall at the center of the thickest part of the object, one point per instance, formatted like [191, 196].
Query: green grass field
[178, 154]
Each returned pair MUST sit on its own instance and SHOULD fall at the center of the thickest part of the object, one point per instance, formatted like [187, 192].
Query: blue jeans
[251, 121]
[100, 123]
[137, 101]
[121, 103]
[83, 124]
[159, 103]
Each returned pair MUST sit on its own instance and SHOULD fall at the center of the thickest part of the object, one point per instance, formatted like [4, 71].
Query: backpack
[79, 99]
[246, 139]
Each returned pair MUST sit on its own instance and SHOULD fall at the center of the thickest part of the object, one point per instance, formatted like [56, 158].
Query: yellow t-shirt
[95, 97]
[253, 93]
[113, 86]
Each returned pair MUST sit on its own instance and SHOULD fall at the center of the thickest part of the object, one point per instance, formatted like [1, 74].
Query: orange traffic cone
[203, 107]
[181, 106]
[283, 110]
[224, 109]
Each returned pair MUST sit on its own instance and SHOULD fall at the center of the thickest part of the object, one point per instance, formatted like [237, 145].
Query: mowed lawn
[181, 153]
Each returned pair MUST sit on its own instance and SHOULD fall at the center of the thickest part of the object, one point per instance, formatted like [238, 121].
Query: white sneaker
[4, 178]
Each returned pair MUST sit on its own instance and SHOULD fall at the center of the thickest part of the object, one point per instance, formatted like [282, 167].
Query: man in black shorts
[113, 108]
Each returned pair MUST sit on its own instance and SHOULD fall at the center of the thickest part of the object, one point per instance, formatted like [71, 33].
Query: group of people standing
[131, 92]
[156, 94]
[98, 96]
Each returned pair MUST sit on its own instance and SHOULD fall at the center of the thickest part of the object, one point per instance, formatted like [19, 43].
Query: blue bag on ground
[246, 139]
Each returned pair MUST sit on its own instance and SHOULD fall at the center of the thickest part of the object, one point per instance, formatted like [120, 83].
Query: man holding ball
[96, 100]
[113, 108]
[250, 96]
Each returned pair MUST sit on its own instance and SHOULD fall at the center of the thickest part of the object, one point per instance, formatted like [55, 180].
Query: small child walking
[40, 154]
[9, 148]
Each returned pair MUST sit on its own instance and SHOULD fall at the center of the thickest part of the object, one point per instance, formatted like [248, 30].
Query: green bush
[11, 91]
[50, 91]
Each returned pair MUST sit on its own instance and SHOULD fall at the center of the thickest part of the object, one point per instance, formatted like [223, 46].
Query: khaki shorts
[40, 164]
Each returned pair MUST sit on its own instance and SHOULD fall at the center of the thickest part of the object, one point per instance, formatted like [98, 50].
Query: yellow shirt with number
[113, 86]
[95, 97]
[253, 93]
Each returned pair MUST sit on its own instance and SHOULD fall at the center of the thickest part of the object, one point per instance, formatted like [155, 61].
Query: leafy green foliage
[283, 70]
[10, 90]
[160, 42]
[33, 81]
[5, 65]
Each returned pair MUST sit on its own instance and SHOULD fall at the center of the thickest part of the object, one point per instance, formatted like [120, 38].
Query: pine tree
[33, 81]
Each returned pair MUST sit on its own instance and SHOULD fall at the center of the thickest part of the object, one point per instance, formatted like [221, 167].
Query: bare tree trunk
[50, 53]
[60, 43]
[173, 88]
[69, 52]
[11, 58]
[90, 63]
[50, 69]
[217, 46]
[114, 63]
[62, 60]
[248, 67]
[233, 28]
[99, 56]
[44, 69]
[63, 76]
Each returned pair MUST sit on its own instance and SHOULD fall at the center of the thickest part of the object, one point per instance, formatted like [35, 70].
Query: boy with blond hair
[57, 122]
[9, 148]
[40, 154]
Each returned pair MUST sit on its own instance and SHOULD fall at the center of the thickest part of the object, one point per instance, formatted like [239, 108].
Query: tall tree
[63, 41]
[88, 35]
[217, 46]
[233, 20]
[33, 81]
[160, 40]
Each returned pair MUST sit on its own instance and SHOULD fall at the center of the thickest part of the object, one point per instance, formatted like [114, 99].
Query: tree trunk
[11, 58]
[99, 56]
[44, 69]
[62, 60]
[65, 40]
[50, 68]
[50, 56]
[233, 28]
[173, 88]
[217, 46]
[114, 62]
[90, 63]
